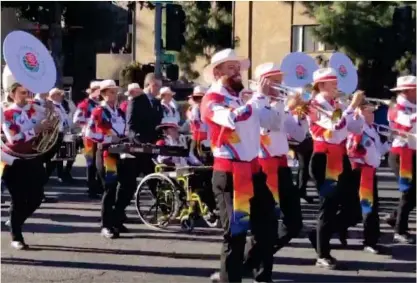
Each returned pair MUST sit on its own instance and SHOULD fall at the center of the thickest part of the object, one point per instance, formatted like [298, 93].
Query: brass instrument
[390, 132]
[376, 101]
[48, 138]
[43, 142]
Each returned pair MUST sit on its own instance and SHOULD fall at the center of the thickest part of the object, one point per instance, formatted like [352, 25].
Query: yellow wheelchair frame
[187, 204]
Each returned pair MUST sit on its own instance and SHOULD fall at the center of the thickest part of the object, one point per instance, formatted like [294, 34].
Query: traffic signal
[172, 72]
[175, 27]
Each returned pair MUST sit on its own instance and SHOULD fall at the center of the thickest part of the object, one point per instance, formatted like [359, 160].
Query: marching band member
[330, 166]
[242, 196]
[303, 151]
[168, 107]
[198, 129]
[273, 156]
[402, 158]
[81, 117]
[365, 150]
[21, 123]
[133, 90]
[105, 127]
[56, 96]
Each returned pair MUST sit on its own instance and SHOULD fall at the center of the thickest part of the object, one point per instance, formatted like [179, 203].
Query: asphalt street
[66, 247]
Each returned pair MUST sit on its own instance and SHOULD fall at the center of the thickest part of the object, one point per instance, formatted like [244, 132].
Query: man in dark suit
[143, 114]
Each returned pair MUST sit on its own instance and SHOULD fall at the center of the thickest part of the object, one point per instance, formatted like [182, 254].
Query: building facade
[267, 31]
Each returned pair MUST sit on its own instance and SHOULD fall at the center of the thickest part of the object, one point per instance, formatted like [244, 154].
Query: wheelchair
[174, 193]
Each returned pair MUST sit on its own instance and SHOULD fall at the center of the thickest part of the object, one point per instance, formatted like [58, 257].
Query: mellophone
[133, 148]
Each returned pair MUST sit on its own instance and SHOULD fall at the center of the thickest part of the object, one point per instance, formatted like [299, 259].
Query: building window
[303, 40]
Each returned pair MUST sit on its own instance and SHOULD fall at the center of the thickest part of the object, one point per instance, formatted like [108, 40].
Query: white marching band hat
[55, 90]
[108, 84]
[324, 75]
[404, 83]
[131, 87]
[165, 90]
[222, 56]
[198, 91]
[267, 70]
[168, 122]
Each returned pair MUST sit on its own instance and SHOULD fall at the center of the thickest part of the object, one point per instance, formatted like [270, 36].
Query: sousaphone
[30, 64]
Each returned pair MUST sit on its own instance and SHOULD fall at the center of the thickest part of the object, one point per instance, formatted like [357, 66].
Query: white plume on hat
[222, 56]
[267, 70]
[405, 82]
[7, 79]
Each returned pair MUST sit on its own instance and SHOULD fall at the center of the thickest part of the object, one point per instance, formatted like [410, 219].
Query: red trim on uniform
[271, 73]
[281, 161]
[226, 165]
[324, 147]
[406, 85]
[398, 149]
[326, 78]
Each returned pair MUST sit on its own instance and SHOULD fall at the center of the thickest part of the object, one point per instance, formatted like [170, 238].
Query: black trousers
[127, 181]
[303, 153]
[407, 199]
[201, 184]
[112, 207]
[24, 180]
[263, 227]
[371, 227]
[336, 212]
[291, 216]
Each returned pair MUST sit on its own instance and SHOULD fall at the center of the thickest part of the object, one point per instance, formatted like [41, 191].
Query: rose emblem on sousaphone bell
[31, 62]
[300, 72]
[342, 71]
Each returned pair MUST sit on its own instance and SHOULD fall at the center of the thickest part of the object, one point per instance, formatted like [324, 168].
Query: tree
[95, 19]
[366, 32]
[208, 29]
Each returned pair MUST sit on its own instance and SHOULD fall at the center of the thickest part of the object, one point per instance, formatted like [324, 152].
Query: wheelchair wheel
[159, 206]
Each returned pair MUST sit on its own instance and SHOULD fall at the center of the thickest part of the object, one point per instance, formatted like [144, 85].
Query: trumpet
[389, 132]
[376, 101]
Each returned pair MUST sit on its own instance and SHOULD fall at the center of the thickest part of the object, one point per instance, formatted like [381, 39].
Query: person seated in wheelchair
[200, 181]
[172, 137]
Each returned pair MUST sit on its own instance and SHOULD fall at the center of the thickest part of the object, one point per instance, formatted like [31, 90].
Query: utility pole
[158, 34]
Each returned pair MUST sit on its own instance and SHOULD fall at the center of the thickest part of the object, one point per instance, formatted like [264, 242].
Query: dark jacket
[142, 119]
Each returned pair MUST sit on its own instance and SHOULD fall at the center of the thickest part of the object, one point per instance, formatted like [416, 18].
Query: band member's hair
[150, 77]
[14, 86]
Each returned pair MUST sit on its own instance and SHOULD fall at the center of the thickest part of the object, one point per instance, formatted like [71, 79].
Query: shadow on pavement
[198, 271]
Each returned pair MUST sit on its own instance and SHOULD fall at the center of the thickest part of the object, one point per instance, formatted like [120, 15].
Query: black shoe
[327, 262]
[122, 229]
[404, 238]
[108, 233]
